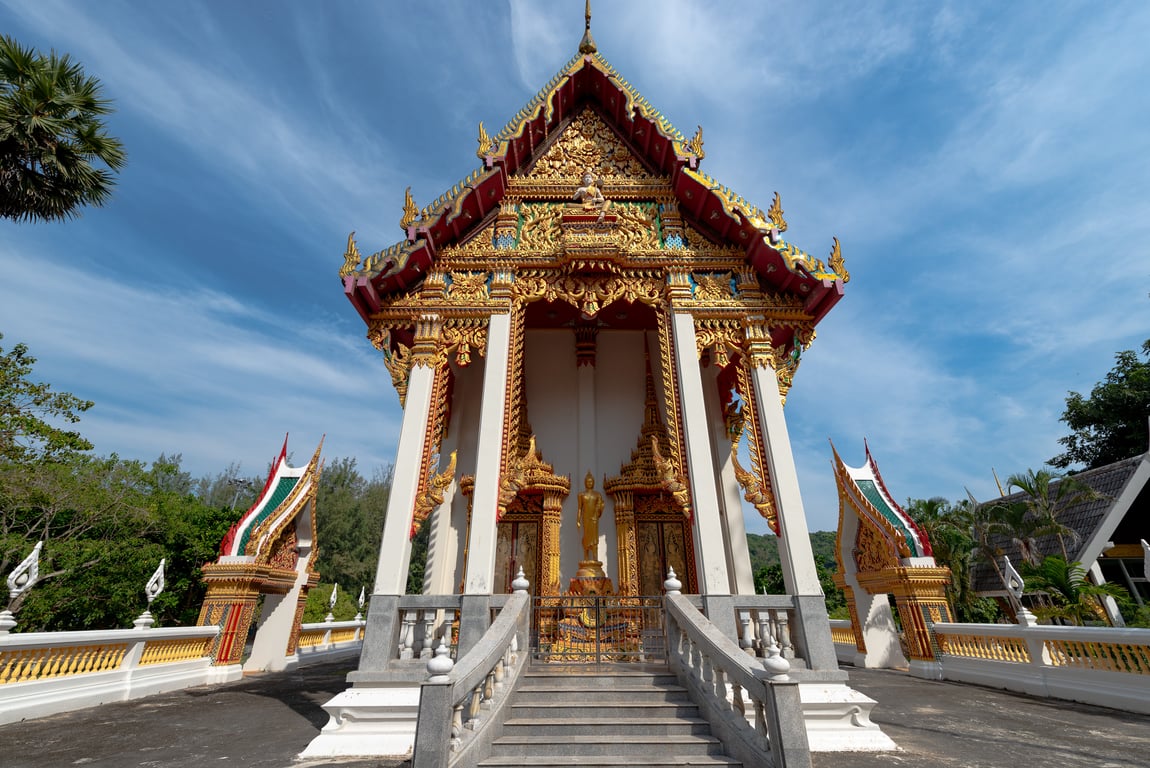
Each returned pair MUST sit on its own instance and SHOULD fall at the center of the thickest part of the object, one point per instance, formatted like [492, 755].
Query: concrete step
[633, 692]
[584, 726]
[611, 761]
[593, 745]
[558, 708]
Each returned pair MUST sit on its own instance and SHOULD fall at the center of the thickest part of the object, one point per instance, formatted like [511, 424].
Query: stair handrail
[457, 709]
[706, 661]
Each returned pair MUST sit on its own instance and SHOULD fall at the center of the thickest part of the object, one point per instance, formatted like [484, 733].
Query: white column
[710, 554]
[395, 549]
[727, 489]
[481, 546]
[797, 558]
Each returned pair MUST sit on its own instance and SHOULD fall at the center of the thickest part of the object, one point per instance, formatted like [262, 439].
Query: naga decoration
[410, 210]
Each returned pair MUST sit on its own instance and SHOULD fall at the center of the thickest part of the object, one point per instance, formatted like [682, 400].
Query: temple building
[592, 341]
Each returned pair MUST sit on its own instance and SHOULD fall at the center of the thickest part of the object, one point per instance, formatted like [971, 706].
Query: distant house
[1110, 530]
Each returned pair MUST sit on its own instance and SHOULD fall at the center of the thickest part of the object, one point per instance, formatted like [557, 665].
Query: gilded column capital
[760, 351]
[679, 289]
[501, 280]
[425, 350]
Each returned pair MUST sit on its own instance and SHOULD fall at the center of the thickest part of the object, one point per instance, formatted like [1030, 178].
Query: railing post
[788, 732]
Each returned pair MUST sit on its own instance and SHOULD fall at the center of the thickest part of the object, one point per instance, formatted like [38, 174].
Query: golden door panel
[664, 544]
[517, 547]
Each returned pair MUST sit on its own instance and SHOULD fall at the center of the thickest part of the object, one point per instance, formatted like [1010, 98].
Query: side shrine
[581, 333]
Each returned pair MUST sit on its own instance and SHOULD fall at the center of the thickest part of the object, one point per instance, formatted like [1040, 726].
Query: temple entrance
[664, 543]
[598, 629]
[517, 545]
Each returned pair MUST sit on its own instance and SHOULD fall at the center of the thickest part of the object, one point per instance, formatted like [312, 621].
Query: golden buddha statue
[590, 510]
[591, 195]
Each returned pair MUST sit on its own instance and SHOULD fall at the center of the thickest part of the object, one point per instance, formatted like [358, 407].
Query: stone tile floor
[265, 721]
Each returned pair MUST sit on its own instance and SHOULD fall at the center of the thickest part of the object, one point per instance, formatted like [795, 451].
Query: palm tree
[1070, 595]
[1048, 496]
[51, 137]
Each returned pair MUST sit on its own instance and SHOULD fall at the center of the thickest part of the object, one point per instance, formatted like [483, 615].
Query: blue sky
[984, 164]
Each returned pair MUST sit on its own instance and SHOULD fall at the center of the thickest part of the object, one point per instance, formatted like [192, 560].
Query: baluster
[500, 671]
[407, 636]
[428, 618]
[760, 718]
[473, 710]
[720, 686]
[785, 647]
[747, 642]
[456, 725]
[737, 699]
[488, 689]
[708, 672]
[450, 615]
[764, 631]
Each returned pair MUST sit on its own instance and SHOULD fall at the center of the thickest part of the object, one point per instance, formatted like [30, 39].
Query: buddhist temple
[592, 341]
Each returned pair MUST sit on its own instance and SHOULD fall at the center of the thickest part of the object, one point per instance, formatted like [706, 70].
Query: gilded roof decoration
[696, 144]
[409, 210]
[486, 144]
[589, 145]
[775, 214]
[836, 262]
[351, 257]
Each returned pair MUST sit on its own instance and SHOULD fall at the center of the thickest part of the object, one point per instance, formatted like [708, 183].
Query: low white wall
[44, 673]
[329, 641]
[1105, 666]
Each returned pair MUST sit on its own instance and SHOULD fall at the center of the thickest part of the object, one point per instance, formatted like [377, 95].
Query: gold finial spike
[775, 214]
[409, 210]
[351, 257]
[486, 144]
[837, 264]
[587, 44]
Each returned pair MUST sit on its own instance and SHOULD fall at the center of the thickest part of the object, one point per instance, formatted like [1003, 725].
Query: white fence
[1106, 666]
[44, 673]
[329, 641]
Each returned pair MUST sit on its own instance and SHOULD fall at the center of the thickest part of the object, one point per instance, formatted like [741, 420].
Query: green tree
[1048, 495]
[349, 523]
[1110, 424]
[55, 155]
[1070, 595]
[26, 408]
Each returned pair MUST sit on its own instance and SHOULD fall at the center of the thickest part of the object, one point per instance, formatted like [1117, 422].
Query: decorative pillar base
[379, 721]
[838, 719]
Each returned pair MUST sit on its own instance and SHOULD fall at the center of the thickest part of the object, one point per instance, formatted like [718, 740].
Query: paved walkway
[265, 721]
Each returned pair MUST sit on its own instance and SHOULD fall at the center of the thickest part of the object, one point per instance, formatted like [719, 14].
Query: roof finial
[587, 44]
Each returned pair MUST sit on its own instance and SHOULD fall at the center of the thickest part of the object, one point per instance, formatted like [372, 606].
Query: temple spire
[587, 44]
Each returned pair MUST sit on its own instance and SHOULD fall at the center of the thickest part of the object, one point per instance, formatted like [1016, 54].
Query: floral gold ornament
[433, 494]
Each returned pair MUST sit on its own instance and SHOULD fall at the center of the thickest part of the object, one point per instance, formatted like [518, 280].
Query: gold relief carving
[425, 351]
[477, 246]
[720, 337]
[540, 230]
[762, 499]
[513, 404]
[670, 386]
[713, 288]
[760, 352]
[672, 481]
[399, 366]
[410, 210]
[837, 263]
[775, 214]
[432, 496]
[758, 485]
[351, 257]
[588, 294]
[461, 335]
[872, 551]
[635, 226]
[588, 144]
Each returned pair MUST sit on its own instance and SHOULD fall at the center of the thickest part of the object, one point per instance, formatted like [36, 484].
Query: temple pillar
[727, 490]
[626, 542]
[795, 553]
[395, 549]
[552, 518]
[710, 554]
[482, 537]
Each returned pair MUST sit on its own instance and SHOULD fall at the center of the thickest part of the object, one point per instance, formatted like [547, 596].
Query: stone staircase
[624, 715]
